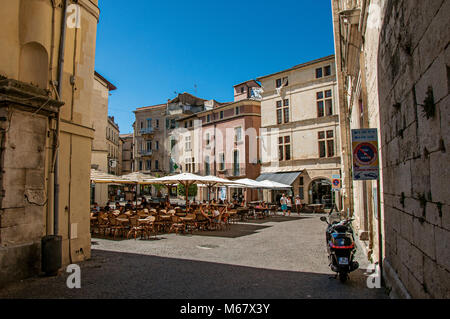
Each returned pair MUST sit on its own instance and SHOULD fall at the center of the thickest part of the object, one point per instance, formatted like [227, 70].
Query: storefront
[320, 192]
[288, 178]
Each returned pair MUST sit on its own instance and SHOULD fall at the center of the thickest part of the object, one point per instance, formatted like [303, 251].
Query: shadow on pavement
[234, 231]
[275, 219]
[114, 275]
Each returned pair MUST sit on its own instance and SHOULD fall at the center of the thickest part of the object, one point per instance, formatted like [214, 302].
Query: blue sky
[151, 49]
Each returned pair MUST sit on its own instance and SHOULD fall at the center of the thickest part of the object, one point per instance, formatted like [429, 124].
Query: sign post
[365, 154]
[336, 187]
[366, 167]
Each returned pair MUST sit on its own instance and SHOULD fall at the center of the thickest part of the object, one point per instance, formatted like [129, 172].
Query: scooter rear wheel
[343, 276]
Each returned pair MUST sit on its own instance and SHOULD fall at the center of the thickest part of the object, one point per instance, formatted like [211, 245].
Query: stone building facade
[300, 129]
[100, 144]
[45, 111]
[113, 144]
[100, 97]
[156, 132]
[149, 153]
[127, 153]
[222, 141]
[393, 75]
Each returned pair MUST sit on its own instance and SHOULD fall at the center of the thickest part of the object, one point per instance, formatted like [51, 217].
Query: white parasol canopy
[247, 183]
[137, 178]
[105, 178]
[275, 185]
[188, 179]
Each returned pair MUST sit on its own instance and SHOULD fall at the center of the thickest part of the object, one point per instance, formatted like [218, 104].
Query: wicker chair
[149, 225]
[102, 223]
[201, 220]
[115, 226]
[233, 216]
[219, 222]
[136, 228]
[191, 224]
[177, 225]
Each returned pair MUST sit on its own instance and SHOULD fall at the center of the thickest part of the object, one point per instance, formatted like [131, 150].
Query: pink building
[229, 144]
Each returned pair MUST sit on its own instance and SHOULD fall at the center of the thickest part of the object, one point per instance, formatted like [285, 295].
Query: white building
[300, 129]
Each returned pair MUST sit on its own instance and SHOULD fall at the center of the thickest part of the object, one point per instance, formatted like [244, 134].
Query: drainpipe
[60, 79]
[51, 245]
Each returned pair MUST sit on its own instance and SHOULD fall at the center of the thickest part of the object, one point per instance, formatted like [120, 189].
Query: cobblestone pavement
[280, 258]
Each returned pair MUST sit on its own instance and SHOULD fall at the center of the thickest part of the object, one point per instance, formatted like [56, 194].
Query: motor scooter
[340, 245]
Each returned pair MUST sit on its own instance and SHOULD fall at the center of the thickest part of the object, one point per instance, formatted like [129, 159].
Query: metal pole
[60, 78]
[380, 237]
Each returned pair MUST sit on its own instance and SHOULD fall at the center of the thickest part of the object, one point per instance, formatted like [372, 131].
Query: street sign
[365, 154]
[336, 182]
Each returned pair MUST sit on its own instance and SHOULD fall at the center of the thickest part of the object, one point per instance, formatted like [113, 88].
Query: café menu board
[365, 154]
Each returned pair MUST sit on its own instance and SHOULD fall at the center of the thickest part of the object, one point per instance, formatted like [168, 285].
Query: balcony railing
[145, 152]
[146, 130]
[235, 172]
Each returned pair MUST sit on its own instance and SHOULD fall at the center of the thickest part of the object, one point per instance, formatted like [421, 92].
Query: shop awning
[283, 178]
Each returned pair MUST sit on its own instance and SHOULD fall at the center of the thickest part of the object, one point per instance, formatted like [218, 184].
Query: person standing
[289, 205]
[298, 204]
[283, 202]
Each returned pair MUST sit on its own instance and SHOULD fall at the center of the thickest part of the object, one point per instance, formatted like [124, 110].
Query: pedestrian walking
[298, 204]
[289, 205]
[283, 202]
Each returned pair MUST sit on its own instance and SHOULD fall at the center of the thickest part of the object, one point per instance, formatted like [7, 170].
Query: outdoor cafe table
[262, 211]
[242, 212]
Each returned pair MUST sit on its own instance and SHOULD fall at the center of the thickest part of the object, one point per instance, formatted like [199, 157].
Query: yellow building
[46, 81]
[101, 148]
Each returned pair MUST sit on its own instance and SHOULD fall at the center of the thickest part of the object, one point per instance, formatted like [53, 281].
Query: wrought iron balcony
[146, 130]
[235, 172]
[145, 152]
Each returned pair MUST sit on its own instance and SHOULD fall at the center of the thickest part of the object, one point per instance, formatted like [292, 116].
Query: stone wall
[413, 86]
[23, 198]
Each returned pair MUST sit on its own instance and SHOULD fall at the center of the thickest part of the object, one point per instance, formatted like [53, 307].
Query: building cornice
[299, 66]
[90, 7]
[331, 119]
[302, 87]
[27, 97]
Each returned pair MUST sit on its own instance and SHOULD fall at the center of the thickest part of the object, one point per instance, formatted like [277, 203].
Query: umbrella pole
[135, 193]
[186, 190]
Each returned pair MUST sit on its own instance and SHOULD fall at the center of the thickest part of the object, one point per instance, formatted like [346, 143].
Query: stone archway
[320, 191]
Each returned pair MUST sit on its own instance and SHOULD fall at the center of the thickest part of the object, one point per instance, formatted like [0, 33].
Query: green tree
[158, 187]
[192, 191]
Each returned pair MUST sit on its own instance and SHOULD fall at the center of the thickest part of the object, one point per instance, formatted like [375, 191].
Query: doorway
[320, 192]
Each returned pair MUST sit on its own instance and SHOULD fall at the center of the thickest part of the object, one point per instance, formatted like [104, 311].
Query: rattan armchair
[136, 228]
[177, 225]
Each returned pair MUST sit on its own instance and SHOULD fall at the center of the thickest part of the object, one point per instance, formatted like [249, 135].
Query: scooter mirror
[324, 219]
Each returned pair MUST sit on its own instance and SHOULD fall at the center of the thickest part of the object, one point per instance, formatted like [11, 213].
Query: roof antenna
[195, 89]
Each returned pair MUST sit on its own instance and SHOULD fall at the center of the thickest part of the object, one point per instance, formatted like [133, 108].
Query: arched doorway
[320, 192]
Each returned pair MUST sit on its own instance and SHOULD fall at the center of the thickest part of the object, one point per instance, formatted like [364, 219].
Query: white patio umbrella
[188, 179]
[247, 183]
[105, 178]
[138, 177]
[212, 181]
[275, 185]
